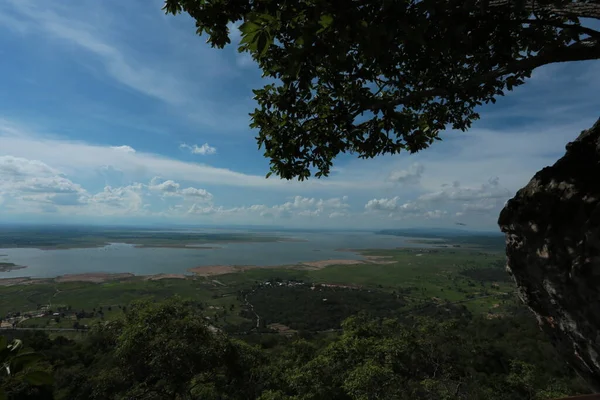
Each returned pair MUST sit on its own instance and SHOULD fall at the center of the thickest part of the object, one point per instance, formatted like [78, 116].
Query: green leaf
[3, 342]
[3, 394]
[326, 20]
[248, 38]
[263, 42]
[269, 174]
[39, 378]
[248, 27]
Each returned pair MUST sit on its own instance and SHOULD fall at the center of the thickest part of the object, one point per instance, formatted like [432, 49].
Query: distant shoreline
[195, 272]
[164, 245]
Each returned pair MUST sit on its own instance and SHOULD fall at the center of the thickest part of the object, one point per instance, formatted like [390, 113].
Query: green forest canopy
[166, 350]
[375, 77]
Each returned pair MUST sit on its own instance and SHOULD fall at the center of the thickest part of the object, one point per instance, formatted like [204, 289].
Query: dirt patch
[174, 246]
[211, 270]
[282, 329]
[326, 263]
[92, 277]
[377, 258]
[164, 276]
[20, 281]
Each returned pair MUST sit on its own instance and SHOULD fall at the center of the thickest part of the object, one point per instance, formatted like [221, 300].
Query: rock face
[552, 229]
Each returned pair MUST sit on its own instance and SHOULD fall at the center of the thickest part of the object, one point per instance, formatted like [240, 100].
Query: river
[119, 257]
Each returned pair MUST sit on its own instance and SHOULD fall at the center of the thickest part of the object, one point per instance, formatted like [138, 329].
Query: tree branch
[576, 9]
[581, 29]
[580, 51]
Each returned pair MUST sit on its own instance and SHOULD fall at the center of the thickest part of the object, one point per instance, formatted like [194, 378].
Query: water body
[119, 257]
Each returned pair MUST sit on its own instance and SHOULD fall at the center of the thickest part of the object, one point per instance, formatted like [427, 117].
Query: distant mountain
[441, 233]
[459, 237]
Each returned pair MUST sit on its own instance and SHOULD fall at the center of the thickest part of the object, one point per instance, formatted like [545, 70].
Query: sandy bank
[174, 246]
[211, 270]
[93, 277]
[326, 263]
[164, 276]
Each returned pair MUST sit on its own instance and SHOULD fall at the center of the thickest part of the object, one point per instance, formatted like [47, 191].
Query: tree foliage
[20, 368]
[167, 350]
[377, 77]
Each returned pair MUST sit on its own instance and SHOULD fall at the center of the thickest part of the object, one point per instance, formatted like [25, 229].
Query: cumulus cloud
[298, 207]
[54, 184]
[119, 200]
[32, 186]
[17, 167]
[204, 150]
[171, 188]
[198, 193]
[412, 175]
[384, 204]
[167, 187]
[34, 181]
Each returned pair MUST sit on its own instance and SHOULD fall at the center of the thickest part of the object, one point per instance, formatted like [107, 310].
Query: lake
[119, 257]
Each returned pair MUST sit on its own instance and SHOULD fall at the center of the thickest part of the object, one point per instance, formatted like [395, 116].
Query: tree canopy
[372, 77]
[166, 350]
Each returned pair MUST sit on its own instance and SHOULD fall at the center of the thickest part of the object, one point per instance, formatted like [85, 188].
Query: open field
[52, 238]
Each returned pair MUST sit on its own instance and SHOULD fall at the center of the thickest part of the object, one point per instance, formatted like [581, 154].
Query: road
[44, 329]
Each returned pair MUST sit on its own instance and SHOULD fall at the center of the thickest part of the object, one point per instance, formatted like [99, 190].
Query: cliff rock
[552, 229]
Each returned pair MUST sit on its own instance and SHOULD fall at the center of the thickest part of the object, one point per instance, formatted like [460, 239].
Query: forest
[427, 324]
[167, 350]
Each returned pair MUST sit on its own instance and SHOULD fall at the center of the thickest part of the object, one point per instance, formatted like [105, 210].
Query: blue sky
[112, 112]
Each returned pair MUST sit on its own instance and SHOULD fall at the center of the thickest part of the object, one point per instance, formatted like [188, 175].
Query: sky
[113, 112]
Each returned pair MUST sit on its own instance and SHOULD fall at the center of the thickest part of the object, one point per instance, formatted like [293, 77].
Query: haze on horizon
[124, 116]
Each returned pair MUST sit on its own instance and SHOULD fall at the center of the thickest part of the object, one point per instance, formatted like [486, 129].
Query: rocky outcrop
[552, 229]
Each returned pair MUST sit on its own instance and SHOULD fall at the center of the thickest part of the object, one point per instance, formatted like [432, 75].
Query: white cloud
[55, 184]
[124, 149]
[171, 188]
[298, 207]
[456, 192]
[204, 150]
[17, 167]
[198, 193]
[384, 204]
[35, 182]
[167, 187]
[453, 200]
[121, 200]
[80, 158]
[412, 175]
